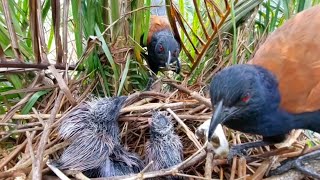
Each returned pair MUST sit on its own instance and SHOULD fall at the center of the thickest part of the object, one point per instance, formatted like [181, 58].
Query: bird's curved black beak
[216, 119]
[220, 115]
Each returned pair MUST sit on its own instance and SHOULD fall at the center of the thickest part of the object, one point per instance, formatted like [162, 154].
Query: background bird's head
[166, 51]
[160, 125]
[240, 92]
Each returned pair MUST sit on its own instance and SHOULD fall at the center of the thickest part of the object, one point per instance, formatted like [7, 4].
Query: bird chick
[95, 148]
[121, 163]
[164, 147]
[218, 139]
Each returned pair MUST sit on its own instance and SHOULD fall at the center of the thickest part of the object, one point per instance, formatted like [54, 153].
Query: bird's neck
[307, 120]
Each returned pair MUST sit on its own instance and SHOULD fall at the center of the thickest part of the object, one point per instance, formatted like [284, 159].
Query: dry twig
[37, 164]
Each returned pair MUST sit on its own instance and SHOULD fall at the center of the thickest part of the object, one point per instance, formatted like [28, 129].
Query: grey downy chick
[93, 131]
[122, 162]
[164, 147]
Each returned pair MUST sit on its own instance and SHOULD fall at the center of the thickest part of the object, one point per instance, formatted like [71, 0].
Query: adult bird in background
[162, 45]
[278, 90]
[95, 149]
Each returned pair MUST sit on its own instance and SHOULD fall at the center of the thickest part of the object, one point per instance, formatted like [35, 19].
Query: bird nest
[28, 141]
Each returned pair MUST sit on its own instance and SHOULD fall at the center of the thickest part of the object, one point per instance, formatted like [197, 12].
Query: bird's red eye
[245, 98]
[161, 48]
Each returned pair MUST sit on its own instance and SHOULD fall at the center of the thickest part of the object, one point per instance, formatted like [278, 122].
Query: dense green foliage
[115, 60]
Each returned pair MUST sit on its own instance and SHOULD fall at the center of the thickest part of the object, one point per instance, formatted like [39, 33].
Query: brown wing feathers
[292, 53]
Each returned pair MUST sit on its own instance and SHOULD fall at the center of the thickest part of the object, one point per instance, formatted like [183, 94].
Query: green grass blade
[275, 18]
[234, 42]
[103, 75]
[286, 8]
[301, 4]
[34, 98]
[124, 75]
[146, 22]
[107, 52]
[77, 26]
[45, 9]
[115, 15]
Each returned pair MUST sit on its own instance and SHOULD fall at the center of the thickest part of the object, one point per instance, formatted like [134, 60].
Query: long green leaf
[146, 23]
[286, 8]
[124, 75]
[275, 18]
[107, 52]
[234, 42]
[34, 98]
[77, 26]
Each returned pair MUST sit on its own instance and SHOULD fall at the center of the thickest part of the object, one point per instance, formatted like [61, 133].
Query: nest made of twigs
[188, 109]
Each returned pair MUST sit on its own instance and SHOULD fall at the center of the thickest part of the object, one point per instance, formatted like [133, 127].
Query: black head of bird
[163, 50]
[243, 97]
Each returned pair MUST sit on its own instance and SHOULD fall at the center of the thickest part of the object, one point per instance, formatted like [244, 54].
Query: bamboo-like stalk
[34, 31]
[12, 32]
[65, 16]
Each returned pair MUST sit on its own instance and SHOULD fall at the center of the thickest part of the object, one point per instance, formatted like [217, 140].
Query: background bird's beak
[220, 115]
[178, 66]
[173, 61]
[168, 60]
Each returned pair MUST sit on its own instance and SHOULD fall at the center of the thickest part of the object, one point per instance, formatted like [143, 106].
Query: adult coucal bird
[95, 149]
[162, 45]
[278, 90]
